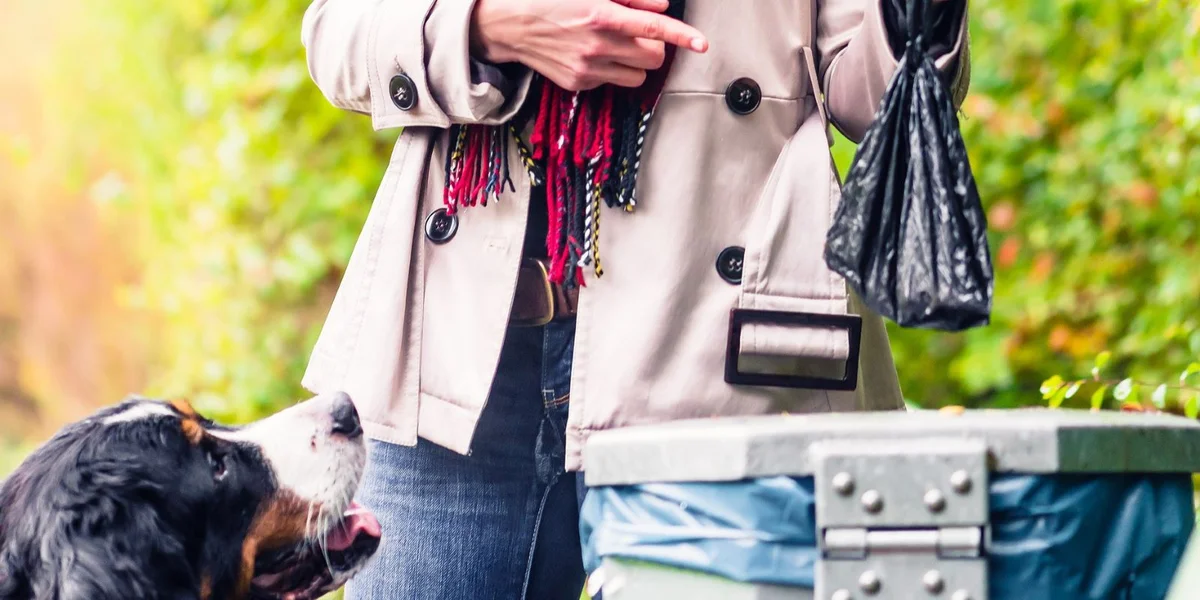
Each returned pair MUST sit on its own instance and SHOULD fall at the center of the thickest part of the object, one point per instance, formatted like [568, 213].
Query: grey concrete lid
[1023, 441]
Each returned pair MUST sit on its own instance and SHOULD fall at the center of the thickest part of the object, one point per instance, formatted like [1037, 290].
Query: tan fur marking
[249, 553]
[279, 523]
[185, 408]
[206, 587]
[192, 430]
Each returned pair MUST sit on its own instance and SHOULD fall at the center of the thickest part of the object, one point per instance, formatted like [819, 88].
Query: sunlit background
[177, 203]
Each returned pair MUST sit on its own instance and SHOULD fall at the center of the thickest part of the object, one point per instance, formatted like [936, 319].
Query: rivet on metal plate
[935, 501]
[933, 582]
[960, 482]
[872, 501]
[843, 484]
[869, 582]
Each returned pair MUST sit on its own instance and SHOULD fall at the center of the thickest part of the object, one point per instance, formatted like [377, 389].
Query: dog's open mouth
[311, 570]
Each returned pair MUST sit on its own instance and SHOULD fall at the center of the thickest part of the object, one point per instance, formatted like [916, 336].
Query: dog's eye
[217, 462]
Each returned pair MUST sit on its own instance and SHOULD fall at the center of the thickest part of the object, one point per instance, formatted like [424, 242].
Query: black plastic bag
[910, 235]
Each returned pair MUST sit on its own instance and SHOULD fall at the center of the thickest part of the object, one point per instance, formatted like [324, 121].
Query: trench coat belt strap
[537, 300]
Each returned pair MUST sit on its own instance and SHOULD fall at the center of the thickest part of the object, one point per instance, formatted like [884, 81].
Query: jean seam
[552, 402]
[547, 392]
[537, 525]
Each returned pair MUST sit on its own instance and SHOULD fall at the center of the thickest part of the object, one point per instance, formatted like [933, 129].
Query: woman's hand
[580, 44]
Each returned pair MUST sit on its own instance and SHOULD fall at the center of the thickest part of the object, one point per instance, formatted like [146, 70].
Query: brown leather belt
[538, 301]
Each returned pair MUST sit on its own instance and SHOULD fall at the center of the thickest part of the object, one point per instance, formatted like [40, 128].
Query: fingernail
[699, 45]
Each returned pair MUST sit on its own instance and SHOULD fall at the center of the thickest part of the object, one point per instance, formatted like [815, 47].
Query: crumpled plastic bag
[910, 235]
[1053, 537]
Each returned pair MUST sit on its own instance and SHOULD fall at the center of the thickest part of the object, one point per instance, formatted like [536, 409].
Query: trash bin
[1029, 504]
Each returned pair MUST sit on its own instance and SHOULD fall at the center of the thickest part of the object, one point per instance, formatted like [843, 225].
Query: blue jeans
[501, 523]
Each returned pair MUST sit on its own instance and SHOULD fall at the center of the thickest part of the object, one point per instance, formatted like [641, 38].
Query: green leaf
[1098, 397]
[1159, 397]
[1191, 406]
[1051, 386]
[1056, 399]
[1102, 360]
[1124, 390]
[1073, 389]
[1191, 369]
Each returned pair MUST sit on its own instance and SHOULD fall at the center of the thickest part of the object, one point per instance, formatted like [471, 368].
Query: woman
[582, 192]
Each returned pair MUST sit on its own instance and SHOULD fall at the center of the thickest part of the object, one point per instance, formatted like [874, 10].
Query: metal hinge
[947, 542]
[901, 519]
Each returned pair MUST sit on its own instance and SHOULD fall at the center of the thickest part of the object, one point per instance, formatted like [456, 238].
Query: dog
[150, 500]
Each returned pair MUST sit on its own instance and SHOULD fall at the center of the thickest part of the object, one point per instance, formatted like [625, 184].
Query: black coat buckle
[739, 317]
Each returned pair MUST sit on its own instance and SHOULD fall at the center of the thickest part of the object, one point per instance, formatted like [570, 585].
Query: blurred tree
[246, 190]
[65, 343]
[249, 187]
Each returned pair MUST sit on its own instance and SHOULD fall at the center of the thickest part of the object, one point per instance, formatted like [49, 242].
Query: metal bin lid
[1022, 441]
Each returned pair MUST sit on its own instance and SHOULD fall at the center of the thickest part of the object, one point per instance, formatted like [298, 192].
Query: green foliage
[1104, 392]
[249, 189]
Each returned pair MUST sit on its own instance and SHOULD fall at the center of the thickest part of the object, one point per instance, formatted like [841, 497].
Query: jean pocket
[558, 349]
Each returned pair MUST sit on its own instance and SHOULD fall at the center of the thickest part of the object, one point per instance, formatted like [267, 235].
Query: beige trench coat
[415, 331]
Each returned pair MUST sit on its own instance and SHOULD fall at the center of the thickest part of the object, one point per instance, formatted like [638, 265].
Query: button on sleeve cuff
[424, 45]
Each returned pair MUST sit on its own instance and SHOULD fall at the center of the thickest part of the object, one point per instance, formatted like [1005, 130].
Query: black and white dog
[149, 500]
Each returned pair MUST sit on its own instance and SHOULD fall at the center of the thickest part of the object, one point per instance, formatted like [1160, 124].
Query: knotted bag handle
[920, 29]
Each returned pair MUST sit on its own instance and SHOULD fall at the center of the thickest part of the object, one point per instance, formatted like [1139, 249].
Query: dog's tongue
[356, 521]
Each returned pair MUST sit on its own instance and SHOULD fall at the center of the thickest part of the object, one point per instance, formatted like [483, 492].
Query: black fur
[130, 510]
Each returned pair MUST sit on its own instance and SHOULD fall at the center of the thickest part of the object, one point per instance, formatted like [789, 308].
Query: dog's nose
[345, 416]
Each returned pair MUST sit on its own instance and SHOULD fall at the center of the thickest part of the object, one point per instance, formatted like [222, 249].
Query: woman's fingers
[638, 53]
[651, 5]
[651, 26]
[587, 74]
[617, 42]
[618, 74]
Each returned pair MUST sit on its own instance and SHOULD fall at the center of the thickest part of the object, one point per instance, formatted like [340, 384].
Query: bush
[249, 188]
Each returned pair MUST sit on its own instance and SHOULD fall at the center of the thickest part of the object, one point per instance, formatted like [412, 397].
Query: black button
[403, 91]
[729, 264]
[440, 226]
[743, 96]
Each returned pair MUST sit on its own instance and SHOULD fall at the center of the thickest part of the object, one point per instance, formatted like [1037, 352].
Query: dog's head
[149, 499]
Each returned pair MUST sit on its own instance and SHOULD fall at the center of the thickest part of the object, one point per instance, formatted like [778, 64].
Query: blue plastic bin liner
[1055, 537]
[761, 530]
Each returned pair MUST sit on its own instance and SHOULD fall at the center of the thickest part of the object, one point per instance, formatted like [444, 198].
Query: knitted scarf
[585, 147]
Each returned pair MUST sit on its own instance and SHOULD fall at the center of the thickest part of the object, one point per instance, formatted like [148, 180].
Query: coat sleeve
[356, 47]
[857, 60]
